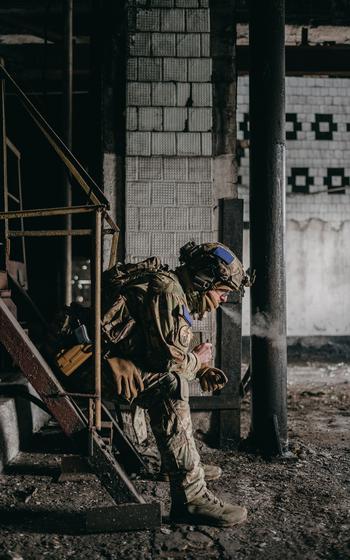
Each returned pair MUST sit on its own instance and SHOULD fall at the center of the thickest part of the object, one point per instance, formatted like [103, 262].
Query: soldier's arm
[166, 325]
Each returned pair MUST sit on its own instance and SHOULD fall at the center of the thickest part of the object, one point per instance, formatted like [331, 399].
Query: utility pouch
[69, 360]
[117, 323]
[81, 335]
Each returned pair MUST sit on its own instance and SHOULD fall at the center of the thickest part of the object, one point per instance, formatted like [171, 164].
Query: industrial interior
[132, 129]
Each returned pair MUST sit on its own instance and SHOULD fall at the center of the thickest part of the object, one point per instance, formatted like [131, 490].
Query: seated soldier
[151, 362]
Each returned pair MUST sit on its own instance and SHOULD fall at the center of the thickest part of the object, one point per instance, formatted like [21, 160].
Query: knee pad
[170, 386]
[183, 392]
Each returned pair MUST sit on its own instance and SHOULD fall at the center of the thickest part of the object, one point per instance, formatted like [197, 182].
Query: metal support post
[67, 137]
[107, 93]
[3, 178]
[267, 226]
[97, 303]
[229, 328]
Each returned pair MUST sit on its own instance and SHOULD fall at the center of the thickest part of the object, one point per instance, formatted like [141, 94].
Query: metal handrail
[73, 165]
[98, 204]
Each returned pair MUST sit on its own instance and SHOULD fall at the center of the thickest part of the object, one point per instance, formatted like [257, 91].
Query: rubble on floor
[298, 509]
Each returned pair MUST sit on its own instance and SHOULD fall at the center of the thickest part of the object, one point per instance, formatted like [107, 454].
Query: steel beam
[67, 98]
[97, 318]
[267, 226]
[40, 212]
[3, 178]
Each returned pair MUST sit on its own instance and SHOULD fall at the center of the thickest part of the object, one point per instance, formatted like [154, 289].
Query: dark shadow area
[42, 187]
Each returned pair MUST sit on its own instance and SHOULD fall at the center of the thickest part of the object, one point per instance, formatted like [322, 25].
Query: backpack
[73, 346]
[117, 321]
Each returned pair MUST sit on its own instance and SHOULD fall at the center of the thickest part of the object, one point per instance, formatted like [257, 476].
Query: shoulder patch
[186, 314]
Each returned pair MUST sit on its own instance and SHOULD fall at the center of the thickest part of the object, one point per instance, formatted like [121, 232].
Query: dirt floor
[298, 509]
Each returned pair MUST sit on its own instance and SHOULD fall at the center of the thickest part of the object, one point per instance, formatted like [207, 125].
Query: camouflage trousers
[167, 403]
[171, 423]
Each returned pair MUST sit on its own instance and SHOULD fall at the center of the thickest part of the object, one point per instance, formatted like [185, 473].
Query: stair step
[9, 429]
[3, 280]
[105, 424]
[9, 304]
[5, 293]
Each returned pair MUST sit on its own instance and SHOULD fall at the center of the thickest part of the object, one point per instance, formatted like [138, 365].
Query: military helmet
[213, 264]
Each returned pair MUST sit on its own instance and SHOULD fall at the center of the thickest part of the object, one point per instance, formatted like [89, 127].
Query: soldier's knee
[183, 388]
[171, 386]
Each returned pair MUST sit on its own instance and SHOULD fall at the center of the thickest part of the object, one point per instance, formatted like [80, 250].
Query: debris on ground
[298, 509]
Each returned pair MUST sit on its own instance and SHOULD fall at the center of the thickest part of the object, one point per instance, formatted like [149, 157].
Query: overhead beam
[326, 59]
[21, 25]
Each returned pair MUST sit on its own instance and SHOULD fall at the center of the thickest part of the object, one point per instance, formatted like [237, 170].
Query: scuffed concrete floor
[297, 509]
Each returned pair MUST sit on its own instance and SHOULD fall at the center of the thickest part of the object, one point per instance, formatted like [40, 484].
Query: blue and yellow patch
[224, 255]
[186, 314]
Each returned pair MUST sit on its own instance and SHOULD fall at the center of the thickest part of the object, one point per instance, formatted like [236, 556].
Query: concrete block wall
[19, 420]
[317, 202]
[169, 187]
[169, 166]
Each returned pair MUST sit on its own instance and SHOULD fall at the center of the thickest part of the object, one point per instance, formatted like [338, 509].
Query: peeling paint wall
[318, 272]
[317, 204]
[318, 278]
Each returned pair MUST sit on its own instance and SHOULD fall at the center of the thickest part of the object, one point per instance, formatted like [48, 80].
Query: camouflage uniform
[159, 343]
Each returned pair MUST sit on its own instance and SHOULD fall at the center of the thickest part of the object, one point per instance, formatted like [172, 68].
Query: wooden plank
[128, 517]
[229, 326]
[216, 402]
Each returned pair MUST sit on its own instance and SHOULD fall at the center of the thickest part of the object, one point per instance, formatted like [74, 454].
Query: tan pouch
[69, 360]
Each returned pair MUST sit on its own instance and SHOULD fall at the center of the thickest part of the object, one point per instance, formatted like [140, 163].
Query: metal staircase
[93, 429]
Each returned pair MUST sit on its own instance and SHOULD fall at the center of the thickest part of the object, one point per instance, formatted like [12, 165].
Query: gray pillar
[267, 226]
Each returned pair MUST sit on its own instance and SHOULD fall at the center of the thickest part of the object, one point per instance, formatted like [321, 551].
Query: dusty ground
[297, 509]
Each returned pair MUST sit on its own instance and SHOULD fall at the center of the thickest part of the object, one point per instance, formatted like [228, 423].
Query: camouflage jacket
[160, 339]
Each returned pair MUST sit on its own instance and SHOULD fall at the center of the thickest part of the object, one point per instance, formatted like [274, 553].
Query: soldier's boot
[207, 509]
[211, 472]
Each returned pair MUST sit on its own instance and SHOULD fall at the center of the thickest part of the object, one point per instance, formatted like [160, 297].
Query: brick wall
[317, 201]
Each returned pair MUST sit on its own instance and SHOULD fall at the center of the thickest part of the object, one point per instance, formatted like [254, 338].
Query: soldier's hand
[211, 378]
[204, 352]
[127, 377]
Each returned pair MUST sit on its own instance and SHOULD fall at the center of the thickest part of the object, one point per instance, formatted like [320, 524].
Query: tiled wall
[169, 121]
[318, 145]
[169, 166]
[317, 202]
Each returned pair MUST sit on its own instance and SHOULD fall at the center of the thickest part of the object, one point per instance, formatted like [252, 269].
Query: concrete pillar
[267, 226]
